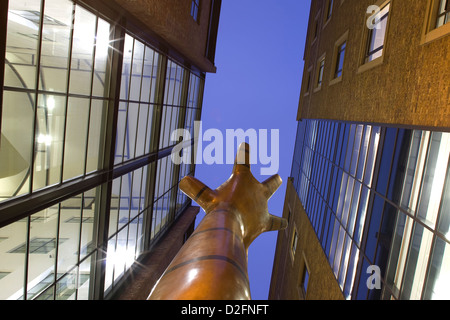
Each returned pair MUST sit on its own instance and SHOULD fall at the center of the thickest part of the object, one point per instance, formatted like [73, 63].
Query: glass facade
[378, 196]
[86, 179]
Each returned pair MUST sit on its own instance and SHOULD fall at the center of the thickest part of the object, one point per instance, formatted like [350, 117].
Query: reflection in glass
[16, 144]
[42, 246]
[97, 135]
[77, 124]
[49, 136]
[444, 214]
[11, 263]
[434, 177]
[439, 272]
[417, 262]
[352, 264]
[126, 67]
[414, 169]
[69, 228]
[22, 43]
[149, 72]
[100, 83]
[82, 52]
[55, 45]
[371, 156]
[136, 71]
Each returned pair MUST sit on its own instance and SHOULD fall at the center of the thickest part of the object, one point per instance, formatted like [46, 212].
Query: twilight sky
[259, 61]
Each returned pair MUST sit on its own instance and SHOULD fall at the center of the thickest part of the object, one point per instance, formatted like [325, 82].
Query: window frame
[195, 10]
[293, 243]
[328, 12]
[370, 36]
[336, 56]
[430, 31]
[305, 270]
[340, 53]
[320, 72]
[439, 14]
[367, 35]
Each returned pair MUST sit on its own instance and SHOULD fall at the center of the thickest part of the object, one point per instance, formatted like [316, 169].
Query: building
[91, 91]
[368, 198]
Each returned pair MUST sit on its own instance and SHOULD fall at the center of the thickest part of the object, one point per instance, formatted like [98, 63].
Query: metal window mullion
[3, 35]
[36, 92]
[126, 136]
[103, 200]
[150, 105]
[27, 258]
[80, 234]
[30, 189]
[94, 51]
[371, 199]
[184, 94]
[55, 279]
[69, 65]
[154, 144]
[140, 99]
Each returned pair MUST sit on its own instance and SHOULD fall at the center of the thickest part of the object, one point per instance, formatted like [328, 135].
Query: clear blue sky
[259, 61]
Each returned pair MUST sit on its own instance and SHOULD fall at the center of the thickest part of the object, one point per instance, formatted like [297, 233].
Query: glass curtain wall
[68, 134]
[378, 196]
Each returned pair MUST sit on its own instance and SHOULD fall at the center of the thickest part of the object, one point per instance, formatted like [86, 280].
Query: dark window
[308, 83]
[294, 243]
[316, 28]
[329, 10]
[320, 75]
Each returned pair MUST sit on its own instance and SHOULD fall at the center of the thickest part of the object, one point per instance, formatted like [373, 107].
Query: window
[316, 29]
[436, 24]
[340, 60]
[340, 47]
[195, 9]
[375, 43]
[443, 15]
[316, 26]
[329, 10]
[304, 278]
[308, 82]
[294, 244]
[320, 68]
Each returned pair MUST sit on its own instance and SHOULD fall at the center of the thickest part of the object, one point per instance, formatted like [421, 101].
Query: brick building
[368, 198]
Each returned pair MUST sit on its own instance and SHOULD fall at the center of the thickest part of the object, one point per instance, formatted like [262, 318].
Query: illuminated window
[68, 73]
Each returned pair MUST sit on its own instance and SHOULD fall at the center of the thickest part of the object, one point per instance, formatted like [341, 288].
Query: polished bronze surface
[212, 265]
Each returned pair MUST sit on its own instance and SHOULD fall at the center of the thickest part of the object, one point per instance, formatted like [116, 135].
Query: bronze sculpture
[212, 264]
